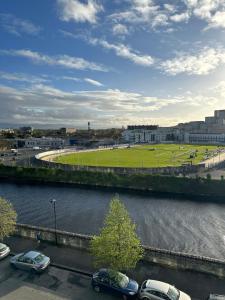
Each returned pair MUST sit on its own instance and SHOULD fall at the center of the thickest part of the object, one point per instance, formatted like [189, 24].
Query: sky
[113, 63]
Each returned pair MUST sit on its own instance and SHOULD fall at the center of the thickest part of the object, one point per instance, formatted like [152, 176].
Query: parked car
[4, 250]
[156, 290]
[107, 280]
[32, 260]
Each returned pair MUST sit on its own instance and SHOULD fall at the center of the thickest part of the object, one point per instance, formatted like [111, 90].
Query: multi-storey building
[210, 131]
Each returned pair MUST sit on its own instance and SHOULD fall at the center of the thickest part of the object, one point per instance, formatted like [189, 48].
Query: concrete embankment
[161, 257]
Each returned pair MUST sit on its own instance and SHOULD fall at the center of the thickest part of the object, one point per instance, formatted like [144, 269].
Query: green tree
[7, 218]
[117, 245]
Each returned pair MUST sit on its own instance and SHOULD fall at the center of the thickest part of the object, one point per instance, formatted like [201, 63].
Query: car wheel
[145, 298]
[97, 288]
[125, 297]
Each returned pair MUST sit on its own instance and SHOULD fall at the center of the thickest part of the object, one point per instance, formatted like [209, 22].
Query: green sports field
[141, 156]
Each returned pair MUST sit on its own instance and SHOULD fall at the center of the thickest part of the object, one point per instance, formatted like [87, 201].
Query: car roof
[158, 285]
[32, 254]
[2, 245]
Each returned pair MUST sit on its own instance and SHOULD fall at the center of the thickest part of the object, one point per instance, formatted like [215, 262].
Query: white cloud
[75, 10]
[180, 17]
[217, 20]
[119, 29]
[211, 11]
[202, 63]
[93, 82]
[219, 89]
[22, 77]
[42, 104]
[70, 78]
[152, 14]
[145, 12]
[125, 52]
[171, 8]
[65, 61]
[18, 26]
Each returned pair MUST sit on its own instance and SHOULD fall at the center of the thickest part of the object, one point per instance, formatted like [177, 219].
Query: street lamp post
[53, 202]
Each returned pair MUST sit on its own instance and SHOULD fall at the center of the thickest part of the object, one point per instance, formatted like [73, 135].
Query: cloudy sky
[113, 63]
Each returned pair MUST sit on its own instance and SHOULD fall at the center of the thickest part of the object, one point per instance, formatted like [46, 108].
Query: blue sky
[113, 63]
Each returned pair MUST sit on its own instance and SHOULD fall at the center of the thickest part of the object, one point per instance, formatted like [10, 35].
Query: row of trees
[117, 246]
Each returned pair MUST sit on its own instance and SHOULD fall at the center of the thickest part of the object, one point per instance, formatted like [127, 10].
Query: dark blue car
[107, 280]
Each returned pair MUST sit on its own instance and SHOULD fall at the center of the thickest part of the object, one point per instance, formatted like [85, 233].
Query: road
[54, 284]
[24, 157]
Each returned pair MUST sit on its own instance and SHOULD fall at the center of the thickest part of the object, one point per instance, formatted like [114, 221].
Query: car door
[29, 263]
[154, 295]
[104, 282]
[115, 288]
[21, 263]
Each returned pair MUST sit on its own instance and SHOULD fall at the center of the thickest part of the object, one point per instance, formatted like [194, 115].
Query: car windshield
[39, 258]
[173, 293]
[144, 285]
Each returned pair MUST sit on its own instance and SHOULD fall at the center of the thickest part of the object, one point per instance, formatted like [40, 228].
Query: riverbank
[159, 257]
[181, 186]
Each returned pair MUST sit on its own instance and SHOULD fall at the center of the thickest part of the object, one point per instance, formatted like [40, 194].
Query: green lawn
[160, 155]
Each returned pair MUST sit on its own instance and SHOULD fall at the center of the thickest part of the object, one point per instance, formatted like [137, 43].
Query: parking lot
[52, 284]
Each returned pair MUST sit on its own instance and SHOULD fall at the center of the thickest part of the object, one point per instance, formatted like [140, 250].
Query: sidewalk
[197, 285]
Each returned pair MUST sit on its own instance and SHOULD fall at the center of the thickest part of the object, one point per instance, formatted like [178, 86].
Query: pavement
[197, 285]
[52, 284]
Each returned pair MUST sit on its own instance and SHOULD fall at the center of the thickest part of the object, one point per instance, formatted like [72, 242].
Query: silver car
[158, 290]
[31, 260]
[4, 250]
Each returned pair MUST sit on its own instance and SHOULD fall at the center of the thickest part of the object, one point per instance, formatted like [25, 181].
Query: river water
[169, 223]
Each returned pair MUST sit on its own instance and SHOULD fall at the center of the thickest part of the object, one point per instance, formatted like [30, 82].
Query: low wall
[69, 239]
[153, 255]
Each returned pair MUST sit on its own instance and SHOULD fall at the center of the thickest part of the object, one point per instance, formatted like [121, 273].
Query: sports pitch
[146, 156]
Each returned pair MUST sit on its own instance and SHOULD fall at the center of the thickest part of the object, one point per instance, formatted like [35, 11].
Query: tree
[117, 245]
[7, 218]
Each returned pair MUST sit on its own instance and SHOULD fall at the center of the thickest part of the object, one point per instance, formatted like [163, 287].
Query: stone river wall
[157, 256]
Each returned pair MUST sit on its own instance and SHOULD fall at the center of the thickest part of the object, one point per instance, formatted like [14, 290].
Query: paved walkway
[196, 284]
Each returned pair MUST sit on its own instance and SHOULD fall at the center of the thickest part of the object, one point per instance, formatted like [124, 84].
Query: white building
[44, 142]
[210, 131]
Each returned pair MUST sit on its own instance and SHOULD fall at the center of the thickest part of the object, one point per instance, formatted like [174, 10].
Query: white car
[158, 290]
[4, 250]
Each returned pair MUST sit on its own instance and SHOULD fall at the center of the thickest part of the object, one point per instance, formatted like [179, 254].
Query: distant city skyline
[113, 63]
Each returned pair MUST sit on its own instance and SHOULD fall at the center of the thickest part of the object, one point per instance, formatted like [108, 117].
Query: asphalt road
[24, 157]
[52, 284]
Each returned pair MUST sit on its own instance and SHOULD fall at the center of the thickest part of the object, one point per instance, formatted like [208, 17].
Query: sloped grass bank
[141, 182]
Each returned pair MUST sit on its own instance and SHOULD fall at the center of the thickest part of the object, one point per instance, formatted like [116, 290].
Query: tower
[89, 126]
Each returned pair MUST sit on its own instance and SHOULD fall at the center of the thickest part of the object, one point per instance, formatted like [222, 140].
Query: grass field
[146, 156]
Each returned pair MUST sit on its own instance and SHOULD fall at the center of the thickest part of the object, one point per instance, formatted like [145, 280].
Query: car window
[104, 279]
[39, 258]
[28, 260]
[113, 283]
[163, 296]
[155, 293]
[21, 258]
[119, 279]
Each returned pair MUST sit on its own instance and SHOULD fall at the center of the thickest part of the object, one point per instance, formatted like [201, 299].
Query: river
[169, 223]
